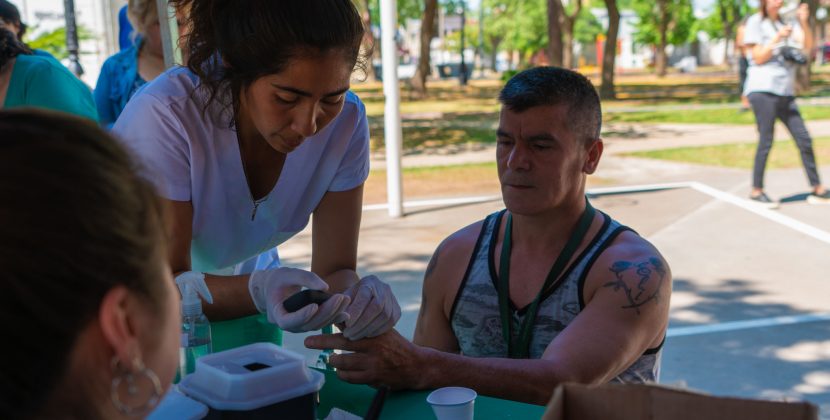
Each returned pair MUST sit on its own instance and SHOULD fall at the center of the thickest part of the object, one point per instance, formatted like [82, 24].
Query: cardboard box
[654, 402]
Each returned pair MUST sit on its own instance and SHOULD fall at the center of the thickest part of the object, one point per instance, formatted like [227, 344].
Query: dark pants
[767, 107]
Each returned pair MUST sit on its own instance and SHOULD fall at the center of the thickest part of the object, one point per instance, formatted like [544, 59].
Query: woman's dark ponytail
[10, 47]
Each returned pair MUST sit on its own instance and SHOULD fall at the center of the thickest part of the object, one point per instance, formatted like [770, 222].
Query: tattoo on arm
[648, 272]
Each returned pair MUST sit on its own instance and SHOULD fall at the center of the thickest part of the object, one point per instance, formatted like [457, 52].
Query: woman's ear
[118, 320]
[594, 153]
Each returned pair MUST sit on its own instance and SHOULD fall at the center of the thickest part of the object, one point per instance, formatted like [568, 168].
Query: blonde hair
[142, 14]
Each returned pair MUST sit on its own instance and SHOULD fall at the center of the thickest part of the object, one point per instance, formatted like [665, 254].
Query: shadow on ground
[778, 362]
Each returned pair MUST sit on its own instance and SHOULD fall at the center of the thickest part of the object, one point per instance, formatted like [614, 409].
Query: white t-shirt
[776, 76]
[194, 156]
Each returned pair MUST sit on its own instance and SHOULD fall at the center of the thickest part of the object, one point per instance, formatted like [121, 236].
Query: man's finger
[379, 326]
[354, 376]
[350, 361]
[332, 341]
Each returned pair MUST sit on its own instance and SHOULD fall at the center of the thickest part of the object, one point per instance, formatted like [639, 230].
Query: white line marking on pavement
[745, 204]
[436, 202]
[773, 215]
[744, 325]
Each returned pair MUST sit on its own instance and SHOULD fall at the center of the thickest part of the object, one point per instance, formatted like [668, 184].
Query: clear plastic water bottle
[196, 336]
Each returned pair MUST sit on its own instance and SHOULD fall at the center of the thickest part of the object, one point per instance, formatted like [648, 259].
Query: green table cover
[241, 331]
[403, 405]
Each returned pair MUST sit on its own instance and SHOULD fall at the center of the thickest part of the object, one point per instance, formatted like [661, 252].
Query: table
[405, 405]
[246, 330]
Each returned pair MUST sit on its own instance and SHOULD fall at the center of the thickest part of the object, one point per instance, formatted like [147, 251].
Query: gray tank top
[475, 313]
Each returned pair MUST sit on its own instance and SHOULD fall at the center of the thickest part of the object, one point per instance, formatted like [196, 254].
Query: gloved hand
[373, 311]
[270, 288]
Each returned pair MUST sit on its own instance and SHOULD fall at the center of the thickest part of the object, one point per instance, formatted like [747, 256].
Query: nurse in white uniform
[258, 133]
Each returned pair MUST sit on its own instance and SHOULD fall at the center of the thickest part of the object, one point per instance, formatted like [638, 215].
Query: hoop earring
[130, 378]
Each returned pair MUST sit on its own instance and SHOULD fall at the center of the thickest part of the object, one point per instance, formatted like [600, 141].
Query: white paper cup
[453, 403]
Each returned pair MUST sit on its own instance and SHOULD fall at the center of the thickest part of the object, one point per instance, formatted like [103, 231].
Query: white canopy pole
[392, 112]
[169, 34]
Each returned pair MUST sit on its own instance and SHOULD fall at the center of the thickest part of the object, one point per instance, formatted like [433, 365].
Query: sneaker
[823, 198]
[764, 200]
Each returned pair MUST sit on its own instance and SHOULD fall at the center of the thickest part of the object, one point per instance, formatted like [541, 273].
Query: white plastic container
[176, 405]
[257, 380]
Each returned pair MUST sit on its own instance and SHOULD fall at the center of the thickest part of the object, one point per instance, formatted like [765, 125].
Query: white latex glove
[373, 311]
[270, 288]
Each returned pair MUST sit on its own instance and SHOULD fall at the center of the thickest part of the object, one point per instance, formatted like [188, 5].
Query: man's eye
[287, 101]
[333, 101]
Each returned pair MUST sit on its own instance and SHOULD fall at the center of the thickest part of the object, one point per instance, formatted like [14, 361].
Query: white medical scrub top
[194, 156]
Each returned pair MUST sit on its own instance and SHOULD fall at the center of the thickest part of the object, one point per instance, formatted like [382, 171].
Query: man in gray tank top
[548, 290]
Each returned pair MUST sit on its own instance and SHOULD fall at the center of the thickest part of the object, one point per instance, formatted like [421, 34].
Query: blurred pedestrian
[770, 86]
[128, 70]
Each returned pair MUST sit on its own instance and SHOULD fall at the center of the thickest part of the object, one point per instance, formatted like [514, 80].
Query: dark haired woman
[27, 80]
[770, 87]
[258, 133]
[10, 18]
[89, 312]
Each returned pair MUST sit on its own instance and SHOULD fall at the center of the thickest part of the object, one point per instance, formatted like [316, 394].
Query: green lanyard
[521, 349]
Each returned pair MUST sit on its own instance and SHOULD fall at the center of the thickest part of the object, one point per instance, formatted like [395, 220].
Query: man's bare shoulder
[461, 241]
[448, 264]
[633, 265]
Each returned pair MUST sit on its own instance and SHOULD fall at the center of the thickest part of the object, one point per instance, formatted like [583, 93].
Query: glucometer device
[303, 298]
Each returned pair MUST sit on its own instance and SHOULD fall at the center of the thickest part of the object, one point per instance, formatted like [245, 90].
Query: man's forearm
[528, 380]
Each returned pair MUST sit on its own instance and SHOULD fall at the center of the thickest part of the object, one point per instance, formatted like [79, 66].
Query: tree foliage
[680, 27]
[54, 42]
[723, 14]
[587, 27]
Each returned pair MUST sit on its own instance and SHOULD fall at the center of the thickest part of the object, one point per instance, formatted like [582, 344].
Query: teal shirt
[44, 83]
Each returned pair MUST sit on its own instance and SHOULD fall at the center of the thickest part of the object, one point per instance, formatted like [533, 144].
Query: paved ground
[731, 264]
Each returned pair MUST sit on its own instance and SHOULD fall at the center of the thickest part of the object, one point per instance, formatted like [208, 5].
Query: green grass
[445, 181]
[451, 116]
[444, 130]
[740, 155]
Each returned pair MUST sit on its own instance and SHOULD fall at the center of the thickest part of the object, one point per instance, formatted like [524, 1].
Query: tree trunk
[568, 22]
[609, 54]
[803, 73]
[568, 52]
[494, 51]
[369, 41]
[555, 32]
[419, 80]
[727, 30]
[660, 59]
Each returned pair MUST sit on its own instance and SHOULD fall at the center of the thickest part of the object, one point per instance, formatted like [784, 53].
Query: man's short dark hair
[545, 86]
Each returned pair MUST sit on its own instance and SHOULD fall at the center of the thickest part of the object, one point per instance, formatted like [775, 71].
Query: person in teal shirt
[27, 80]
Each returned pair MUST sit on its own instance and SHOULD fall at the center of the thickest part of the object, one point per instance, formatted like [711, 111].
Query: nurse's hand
[270, 288]
[373, 311]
